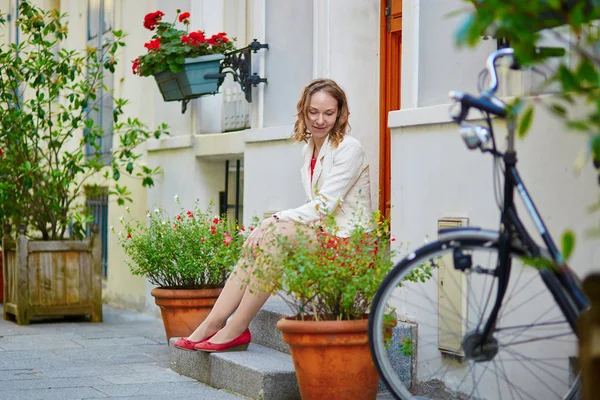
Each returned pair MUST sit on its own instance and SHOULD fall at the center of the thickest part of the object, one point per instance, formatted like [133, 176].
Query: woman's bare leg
[226, 304]
[254, 298]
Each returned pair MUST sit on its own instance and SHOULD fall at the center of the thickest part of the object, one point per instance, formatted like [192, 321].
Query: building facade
[396, 67]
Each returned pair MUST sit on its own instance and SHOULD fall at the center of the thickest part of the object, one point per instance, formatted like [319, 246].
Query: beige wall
[433, 173]
[320, 38]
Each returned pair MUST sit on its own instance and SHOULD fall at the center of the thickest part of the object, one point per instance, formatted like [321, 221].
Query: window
[100, 17]
[96, 203]
[230, 200]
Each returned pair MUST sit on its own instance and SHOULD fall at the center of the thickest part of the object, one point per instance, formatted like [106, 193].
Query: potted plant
[188, 256]
[51, 157]
[181, 61]
[330, 282]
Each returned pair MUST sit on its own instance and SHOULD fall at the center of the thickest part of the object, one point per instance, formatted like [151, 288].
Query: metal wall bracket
[238, 63]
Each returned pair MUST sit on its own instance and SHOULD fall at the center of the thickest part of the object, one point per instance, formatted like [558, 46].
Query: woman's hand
[256, 237]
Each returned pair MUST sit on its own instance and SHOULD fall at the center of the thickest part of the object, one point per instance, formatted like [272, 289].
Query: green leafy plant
[170, 46]
[190, 250]
[327, 277]
[49, 145]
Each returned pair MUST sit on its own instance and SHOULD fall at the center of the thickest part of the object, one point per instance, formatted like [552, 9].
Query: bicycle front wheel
[439, 299]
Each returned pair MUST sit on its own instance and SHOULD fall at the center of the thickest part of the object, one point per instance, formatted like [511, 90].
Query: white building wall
[333, 39]
[435, 176]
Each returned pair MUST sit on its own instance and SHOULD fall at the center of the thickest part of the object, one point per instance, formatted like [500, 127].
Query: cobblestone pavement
[124, 357]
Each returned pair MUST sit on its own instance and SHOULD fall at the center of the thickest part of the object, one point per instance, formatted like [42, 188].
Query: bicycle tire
[415, 385]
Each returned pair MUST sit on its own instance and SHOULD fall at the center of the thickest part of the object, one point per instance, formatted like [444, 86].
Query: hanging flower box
[184, 64]
[192, 81]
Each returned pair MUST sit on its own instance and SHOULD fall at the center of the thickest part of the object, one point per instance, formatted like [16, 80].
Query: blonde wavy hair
[341, 126]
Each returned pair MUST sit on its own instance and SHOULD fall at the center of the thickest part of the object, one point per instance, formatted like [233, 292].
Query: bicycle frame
[571, 302]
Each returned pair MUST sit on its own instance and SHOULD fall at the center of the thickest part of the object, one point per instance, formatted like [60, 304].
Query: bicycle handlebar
[491, 67]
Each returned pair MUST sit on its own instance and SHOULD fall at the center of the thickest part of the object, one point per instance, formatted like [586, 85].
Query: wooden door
[390, 73]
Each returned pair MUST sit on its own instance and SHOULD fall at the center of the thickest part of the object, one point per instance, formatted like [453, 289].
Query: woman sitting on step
[335, 176]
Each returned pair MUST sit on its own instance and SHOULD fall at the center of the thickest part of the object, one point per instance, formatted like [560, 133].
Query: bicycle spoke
[529, 326]
[516, 354]
[542, 315]
[539, 379]
[476, 385]
[509, 383]
[528, 301]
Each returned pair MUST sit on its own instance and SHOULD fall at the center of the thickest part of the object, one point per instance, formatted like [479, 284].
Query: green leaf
[129, 167]
[568, 244]
[525, 122]
[116, 175]
[147, 182]
[595, 147]
[559, 110]
[587, 72]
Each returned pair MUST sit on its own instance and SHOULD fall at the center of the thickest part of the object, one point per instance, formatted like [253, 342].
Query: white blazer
[340, 185]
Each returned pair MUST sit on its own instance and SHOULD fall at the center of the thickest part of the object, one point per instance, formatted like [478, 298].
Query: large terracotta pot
[332, 358]
[183, 310]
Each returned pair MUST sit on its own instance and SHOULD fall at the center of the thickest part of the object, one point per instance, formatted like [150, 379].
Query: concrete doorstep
[266, 370]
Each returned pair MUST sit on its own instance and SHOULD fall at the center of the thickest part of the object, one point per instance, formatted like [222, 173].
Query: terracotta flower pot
[183, 310]
[331, 358]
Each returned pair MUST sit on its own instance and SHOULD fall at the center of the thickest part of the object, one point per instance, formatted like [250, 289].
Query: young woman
[335, 176]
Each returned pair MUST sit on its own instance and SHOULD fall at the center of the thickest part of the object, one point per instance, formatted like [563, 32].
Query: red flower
[179, 218]
[218, 39]
[213, 229]
[190, 214]
[174, 226]
[152, 19]
[129, 236]
[203, 240]
[153, 44]
[136, 66]
[215, 220]
[1, 153]
[184, 16]
[242, 229]
[194, 38]
[227, 239]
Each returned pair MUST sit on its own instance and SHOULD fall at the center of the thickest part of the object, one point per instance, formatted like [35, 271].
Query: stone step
[258, 373]
[263, 326]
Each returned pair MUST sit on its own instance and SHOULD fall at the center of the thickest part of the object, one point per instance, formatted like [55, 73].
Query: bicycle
[498, 350]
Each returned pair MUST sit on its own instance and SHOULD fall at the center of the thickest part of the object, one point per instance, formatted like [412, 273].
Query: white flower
[112, 228]
[156, 210]
[127, 208]
[176, 198]
[121, 219]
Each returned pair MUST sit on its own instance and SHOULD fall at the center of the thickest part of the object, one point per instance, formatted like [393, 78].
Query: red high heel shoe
[186, 344]
[240, 343]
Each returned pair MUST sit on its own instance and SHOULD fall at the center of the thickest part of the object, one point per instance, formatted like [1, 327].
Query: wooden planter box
[52, 278]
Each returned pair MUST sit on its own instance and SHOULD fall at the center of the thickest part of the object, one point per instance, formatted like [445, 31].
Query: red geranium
[194, 38]
[152, 19]
[184, 16]
[153, 44]
[136, 66]
[170, 46]
[218, 39]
